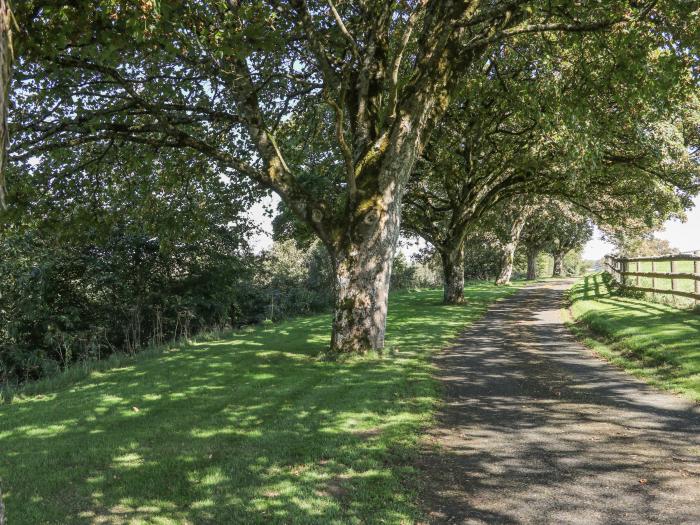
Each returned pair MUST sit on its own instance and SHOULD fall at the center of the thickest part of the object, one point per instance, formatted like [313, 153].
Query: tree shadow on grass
[653, 334]
[249, 429]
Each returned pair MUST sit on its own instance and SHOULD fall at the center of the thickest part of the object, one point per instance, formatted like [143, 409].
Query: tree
[297, 280]
[240, 84]
[482, 152]
[516, 220]
[114, 257]
[642, 245]
[6, 58]
[569, 233]
[535, 237]
[557, 228]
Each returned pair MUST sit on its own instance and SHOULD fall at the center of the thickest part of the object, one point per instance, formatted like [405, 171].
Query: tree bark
[362, 264]
[453, 275]
[364, 251]
[6, 23]
[361, 301]
[558, 264]
[506, 265]
[531, 265]
[508, 253]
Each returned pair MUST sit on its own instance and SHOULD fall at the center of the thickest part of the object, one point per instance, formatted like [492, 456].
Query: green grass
[250, 428]
[658, 343]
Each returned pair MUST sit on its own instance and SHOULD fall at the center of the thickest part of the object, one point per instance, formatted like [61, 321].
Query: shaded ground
[247, 428]
[535, 429]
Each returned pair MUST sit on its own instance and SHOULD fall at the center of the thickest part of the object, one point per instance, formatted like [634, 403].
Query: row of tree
[366, 117]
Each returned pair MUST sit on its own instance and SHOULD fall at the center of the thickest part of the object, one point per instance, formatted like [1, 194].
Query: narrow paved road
[536, 429]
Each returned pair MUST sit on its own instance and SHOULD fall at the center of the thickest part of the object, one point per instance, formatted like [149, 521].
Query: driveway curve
[536, 429]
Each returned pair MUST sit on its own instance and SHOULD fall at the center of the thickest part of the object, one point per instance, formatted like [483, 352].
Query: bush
[85, 298]
[294, 280]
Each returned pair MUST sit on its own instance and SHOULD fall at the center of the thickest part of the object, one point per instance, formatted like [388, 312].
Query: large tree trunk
[531, 265]
[361, 298]
[6, 23]
[508, 253]
[507, 257]
[558, 264]
[364, 257]
[453, 275]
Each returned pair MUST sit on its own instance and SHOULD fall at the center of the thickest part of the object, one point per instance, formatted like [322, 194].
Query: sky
[684, 236]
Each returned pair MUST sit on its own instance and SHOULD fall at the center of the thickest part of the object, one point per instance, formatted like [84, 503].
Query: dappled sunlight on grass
[249, 428]
[657, 342]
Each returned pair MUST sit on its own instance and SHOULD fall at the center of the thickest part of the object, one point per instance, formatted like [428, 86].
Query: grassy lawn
[249, 428]
[656, 342]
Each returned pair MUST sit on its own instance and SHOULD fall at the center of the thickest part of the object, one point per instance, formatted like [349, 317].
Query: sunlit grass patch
[656, 342]
[250, 427]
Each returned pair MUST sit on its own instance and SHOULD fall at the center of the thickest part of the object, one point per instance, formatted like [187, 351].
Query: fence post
[673, 270]
[696, 271]
[636, 277]
[653, 279]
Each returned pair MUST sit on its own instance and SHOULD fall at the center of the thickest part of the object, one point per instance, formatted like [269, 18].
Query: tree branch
[343, 29]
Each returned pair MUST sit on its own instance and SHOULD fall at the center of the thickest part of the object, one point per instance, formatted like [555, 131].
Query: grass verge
[655, 342]
[251, 427]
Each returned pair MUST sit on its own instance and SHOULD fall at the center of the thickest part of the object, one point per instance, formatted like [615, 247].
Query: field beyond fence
[673, 278]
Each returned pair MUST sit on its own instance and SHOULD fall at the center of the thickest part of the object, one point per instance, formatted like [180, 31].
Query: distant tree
[295, 280]
[570, 233]
[482, 152]
[521, 131]
[535, 237]
[510, 231]
[574, 264]
[643, 245]
[427, 271]
[401, 273]
[556, 228]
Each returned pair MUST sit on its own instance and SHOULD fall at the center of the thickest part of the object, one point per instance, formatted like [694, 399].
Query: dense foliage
[109, 259]
[120, 255]
[71, 300]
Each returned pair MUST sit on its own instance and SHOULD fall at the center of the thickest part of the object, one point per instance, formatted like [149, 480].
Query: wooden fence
[627, 271]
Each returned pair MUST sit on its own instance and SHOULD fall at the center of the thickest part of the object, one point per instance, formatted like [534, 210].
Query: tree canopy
[329, 104]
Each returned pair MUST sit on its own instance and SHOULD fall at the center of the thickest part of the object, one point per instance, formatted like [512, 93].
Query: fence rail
[626, 272]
